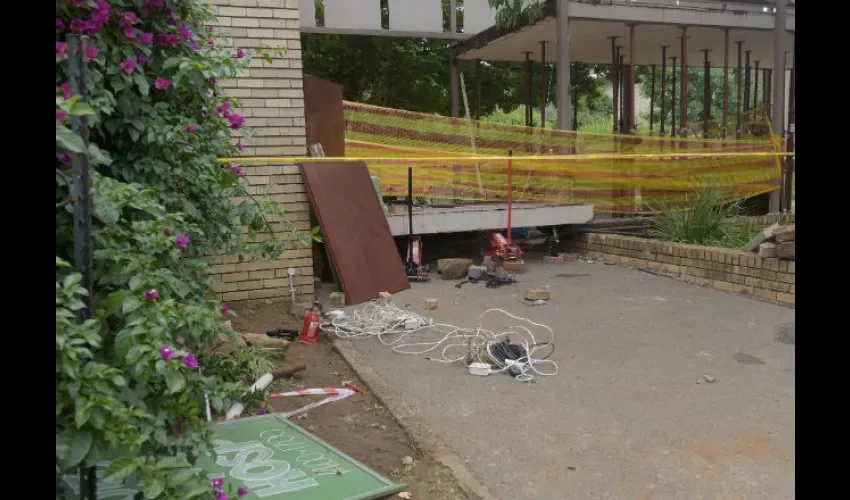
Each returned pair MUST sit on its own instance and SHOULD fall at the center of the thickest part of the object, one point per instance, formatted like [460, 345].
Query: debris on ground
[288, 371]
[405, 495]
[532, 303]
[610, 263]
[337, 299]
[533, 294]
[767, 250]
[476, 272]
[263, 340]
[514, 266]
[431, 304]
[453, 269]
[710, 379]
[774, 241]
[407, 462]
[765, 234]
[385, 295]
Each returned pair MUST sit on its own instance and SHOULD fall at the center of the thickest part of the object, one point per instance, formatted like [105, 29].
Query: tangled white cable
[512, 350]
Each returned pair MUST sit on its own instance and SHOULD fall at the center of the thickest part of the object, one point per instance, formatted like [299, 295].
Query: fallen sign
[274, 459]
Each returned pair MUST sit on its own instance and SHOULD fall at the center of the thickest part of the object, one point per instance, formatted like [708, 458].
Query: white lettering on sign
[319, 463]
[253, 465]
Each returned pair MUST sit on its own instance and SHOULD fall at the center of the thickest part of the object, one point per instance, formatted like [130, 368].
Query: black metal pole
[706, 97]
[652, 101]
[528, 89]
[738, 129]
[81, 198]
[623, 129]
[615, 83]
[574, 76]
[747, 81]
[756, 86]
[673, 100]
[663, 84]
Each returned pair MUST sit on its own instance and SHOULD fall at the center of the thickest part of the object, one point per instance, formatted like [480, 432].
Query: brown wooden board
[324, 115]
[355, 229]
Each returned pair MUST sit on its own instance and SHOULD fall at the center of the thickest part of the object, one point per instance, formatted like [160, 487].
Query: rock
[767, 250]
[785, 233]
[452, 269]
[227, 326]
[786, 250]
[337, 299]
[515, 266]
[431, 304]
[288, 371]
[709, 379]
[758, 239]
[263, 340]
[536, 294]
[404, 495]
[385, 295]
[476, 272]
[225, 344]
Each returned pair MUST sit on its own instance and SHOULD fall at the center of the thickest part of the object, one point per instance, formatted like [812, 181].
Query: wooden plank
[356, 232]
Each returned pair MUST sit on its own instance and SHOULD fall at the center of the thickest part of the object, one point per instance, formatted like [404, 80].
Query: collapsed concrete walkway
[631, 414]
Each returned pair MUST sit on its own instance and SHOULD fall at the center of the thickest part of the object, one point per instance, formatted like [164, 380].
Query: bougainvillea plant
[131, 379]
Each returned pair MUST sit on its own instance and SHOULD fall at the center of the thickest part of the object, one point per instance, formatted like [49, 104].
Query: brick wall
[731, 270]
[763, 221]
[271, 99]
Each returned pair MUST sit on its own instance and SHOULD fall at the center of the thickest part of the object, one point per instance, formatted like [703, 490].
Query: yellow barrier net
[462, 160]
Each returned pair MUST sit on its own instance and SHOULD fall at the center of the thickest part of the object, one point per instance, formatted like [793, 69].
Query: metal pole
[706, 93]
[527, 88]
[543, 84]
[765, 93]
[738, 129]
[756, 86]
[81, 198]
[652, 101]
[615, 82]
[510, 191]
[632, 122]
[453, 71]
[575, 99]
[663, 84]
[792, 120]
[478, 89]
[562, 34]
[778, 118]
[622, 119]
[673, 100]
[725, 82]
[769, 93]
[410, 214]
[747, 81]
[683, 95]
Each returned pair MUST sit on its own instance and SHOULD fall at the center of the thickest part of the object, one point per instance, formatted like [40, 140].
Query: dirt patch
[358, 425]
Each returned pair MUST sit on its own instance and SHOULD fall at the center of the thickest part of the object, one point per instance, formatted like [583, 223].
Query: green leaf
[80, 108]
[80, 446]
[154, 486]
[228, 178]
[119, 470]
[171, 62]
[114, 301]
[171, 463]
[69, 140]
[130, 304]
[175, 381]
[196, 492]
[142, 82]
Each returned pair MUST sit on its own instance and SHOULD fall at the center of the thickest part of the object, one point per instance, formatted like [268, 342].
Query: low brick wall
[762, 221]
[731, 270]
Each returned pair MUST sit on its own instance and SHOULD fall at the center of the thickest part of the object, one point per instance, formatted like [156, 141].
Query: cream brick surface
[271, 98]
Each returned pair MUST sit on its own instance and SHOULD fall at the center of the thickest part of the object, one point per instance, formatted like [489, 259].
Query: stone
[759, 238]
[431, 304]
[767, 250]
[549, 259]
[263, 340]
[476, 272]
[784, 234]
[407, 461]
[536, 294]
[405, 495]
[709, 379]
[786, 250]
[514, 266]
[337, 299]
[452, 269]
[385, 295]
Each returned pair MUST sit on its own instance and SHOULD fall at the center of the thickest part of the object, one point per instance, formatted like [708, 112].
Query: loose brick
[537, 294]
[431, 304]
[787, 298]
[337, 299]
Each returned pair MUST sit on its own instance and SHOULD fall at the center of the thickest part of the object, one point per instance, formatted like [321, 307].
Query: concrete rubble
[774, 241]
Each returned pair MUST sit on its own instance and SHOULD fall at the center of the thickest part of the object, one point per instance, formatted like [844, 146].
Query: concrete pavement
[631, 414]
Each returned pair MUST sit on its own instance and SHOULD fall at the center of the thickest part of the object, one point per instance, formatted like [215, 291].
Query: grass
[244, 364]
[707, 219]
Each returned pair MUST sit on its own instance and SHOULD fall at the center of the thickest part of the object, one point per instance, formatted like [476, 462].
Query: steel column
[778, 117]
[562, 34]
[706, 93]
[527, 88]
[747, 81]
[683, 95]
[756, 86]
[738, 128]
[453, 70]
[623, 128]
[478, 89]
[663, 84]
[615, 82]
[725, 123]
[544, 84]
[652, 101]
[792, 120]
[632, 122]
[673, 100]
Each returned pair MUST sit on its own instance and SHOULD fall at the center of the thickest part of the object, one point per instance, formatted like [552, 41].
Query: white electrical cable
[407, 332]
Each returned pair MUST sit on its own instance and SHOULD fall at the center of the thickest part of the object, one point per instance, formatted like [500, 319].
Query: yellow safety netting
[468, 160]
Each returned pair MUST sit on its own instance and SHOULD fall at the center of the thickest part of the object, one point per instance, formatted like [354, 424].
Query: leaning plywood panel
[355, 229]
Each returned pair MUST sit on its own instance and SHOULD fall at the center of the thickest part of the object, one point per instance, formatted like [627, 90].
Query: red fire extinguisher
[312, 319]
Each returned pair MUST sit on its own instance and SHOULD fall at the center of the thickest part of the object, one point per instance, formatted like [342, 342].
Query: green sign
[275, 459]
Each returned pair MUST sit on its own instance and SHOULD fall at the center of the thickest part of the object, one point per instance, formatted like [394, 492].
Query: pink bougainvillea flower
[261, 411]
[182, 241]
[78, 25]
[190, 361]
[211, 42]
[224, 108]
[66, 90]
[128, 65]
[129, 18]
[168, 39]
[211, 28]
[130, 33]
[239, 146]
[213, 81]
[61, 115]
[166, 352]
[170, 20]
[236, 121]
[78, 3]
[217, 483]
[91, 53]
[151, 294]
[237, 171]
[225, 309]
[241, 492]
[195, 47]
[61, 47]
[185, 34]
[191, 128]
[240, 53]
[161, 83]
[141, 60]
[222, 496]
[65, 159]
[60, 25]
[145, 38]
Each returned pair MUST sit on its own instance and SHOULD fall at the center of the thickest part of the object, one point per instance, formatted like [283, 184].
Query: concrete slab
[630, 415]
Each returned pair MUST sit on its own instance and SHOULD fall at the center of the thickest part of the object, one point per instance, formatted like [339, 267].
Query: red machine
[501, 248]
[413, 265]
[310, 330]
